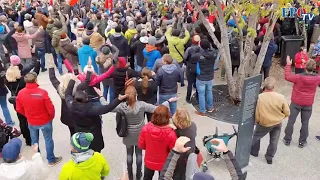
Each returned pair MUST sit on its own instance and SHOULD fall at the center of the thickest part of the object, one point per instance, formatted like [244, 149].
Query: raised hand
[219, 145]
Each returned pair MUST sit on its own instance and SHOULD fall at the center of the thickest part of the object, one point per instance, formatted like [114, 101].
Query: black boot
[139, 174]
[130, 173]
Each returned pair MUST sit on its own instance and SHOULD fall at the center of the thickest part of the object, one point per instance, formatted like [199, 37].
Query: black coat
[151, 95]
[87, 117]
[137, 48]
[119, 79]
[122, 44]
[66, 115]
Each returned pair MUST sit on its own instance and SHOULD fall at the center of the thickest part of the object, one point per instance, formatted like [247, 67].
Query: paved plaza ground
[290, 163]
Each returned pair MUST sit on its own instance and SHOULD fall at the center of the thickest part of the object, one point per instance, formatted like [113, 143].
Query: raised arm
[54, 81]
[68, 93]
[99, 110]
[288, 76]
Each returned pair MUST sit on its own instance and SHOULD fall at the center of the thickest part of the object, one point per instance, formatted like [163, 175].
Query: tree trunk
[265, 44]
[223, 46]
[296, 23]
[304, 34]
[252, 19]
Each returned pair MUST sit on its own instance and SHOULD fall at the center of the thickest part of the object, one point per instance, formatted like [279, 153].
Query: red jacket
[35, 104]
[298, 60]
[157, 142]
[304, 87]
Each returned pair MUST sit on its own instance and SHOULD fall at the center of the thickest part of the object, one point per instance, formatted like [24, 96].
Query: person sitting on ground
[16, 167]
[179, 148]
[84, 162]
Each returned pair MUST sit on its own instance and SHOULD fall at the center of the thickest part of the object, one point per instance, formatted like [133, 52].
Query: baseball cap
[11, 150]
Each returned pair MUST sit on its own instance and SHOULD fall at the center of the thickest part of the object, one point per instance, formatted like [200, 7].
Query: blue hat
[232, 23]
[11, 150]
[2, 30]
[81, 141]
[202, 176]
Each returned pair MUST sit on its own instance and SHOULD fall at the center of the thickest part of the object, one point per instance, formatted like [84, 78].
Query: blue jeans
[136, 66]
[59, 56]
[205, 94]
[172, 105]
[5, 110]
[41, 55]
[47, 134]
[111, 93]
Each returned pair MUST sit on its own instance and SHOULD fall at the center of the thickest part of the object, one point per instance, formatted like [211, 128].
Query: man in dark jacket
[191, 64]
[137, 48]
[272, 49]
[167, 78]
[118, 40]
[206, 59]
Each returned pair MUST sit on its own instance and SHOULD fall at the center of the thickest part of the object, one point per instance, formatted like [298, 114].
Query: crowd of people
[131, 60]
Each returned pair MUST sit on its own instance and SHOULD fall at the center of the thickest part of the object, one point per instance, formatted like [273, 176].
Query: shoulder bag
[13, 98]
[178, 51]
[122, 124]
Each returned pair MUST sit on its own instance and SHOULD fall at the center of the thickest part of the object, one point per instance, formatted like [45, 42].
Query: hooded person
[84, 162]
[137, 49]
[150, 53]
[27, 23]
[96, 40]
[118, 40]
[15, 166]
[130, 32]
[85, 52]
[68, 50]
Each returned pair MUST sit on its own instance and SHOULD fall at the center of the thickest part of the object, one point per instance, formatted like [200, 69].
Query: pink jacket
[24, 49]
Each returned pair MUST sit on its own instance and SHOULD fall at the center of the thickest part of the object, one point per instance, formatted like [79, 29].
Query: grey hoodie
[167, 78]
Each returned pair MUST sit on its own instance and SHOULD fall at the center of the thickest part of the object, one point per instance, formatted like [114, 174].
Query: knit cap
[202, 176]
[81, 141]
[27, 16]
[152, 40]
[15, 60]
[105, 50]
[90, 26]
[114, 25]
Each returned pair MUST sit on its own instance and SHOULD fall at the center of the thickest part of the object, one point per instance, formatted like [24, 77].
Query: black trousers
[191, 77]
[138, 153]
[266, 71]
[234, 67]
[23, 123]
[148, 173]
[72, 130]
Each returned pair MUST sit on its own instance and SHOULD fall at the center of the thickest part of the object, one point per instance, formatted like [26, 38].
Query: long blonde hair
[65, 79]
[13, 74]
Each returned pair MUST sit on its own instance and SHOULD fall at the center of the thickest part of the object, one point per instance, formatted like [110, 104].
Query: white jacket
[24, 169]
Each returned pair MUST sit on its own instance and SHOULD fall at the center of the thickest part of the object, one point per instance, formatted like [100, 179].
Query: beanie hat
[57, 24]
[105, 50]
[90, 26]
[131, 25]
[122, 62]
[114, 25]
[15, 60]
[139, 28]
[81, 141]
[11, 150]
[152, 40]
[27, 16]
[196, 39]
[202, 176]
[80, 25]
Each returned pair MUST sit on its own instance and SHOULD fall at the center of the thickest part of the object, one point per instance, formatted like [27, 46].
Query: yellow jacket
[178, 42]
[92, 169]
[271, 109]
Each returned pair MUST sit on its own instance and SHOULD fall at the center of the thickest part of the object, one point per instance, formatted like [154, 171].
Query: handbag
[13, 98]
[122, 124]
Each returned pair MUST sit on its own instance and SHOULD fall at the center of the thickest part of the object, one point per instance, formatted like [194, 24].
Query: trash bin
[290, 46]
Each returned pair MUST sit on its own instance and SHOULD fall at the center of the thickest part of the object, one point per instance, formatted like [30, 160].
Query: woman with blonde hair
[15, 83]
[147, 89]
[61, 87]
[184, 127]
[134, 111]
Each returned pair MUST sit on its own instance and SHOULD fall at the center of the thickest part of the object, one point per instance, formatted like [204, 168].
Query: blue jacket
[272, 49]
[84, 53]
[151, 57]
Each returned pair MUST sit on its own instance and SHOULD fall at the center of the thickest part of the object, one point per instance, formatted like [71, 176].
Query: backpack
[122, 124]
[235, 49]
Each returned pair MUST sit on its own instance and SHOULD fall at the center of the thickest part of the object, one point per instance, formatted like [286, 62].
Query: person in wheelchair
[179, 149]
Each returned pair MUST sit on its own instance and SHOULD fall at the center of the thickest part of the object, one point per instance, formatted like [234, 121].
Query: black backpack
[122, 124]
[4, 138]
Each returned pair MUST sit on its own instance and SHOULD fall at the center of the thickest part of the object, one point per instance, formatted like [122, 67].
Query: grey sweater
[135, 118]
